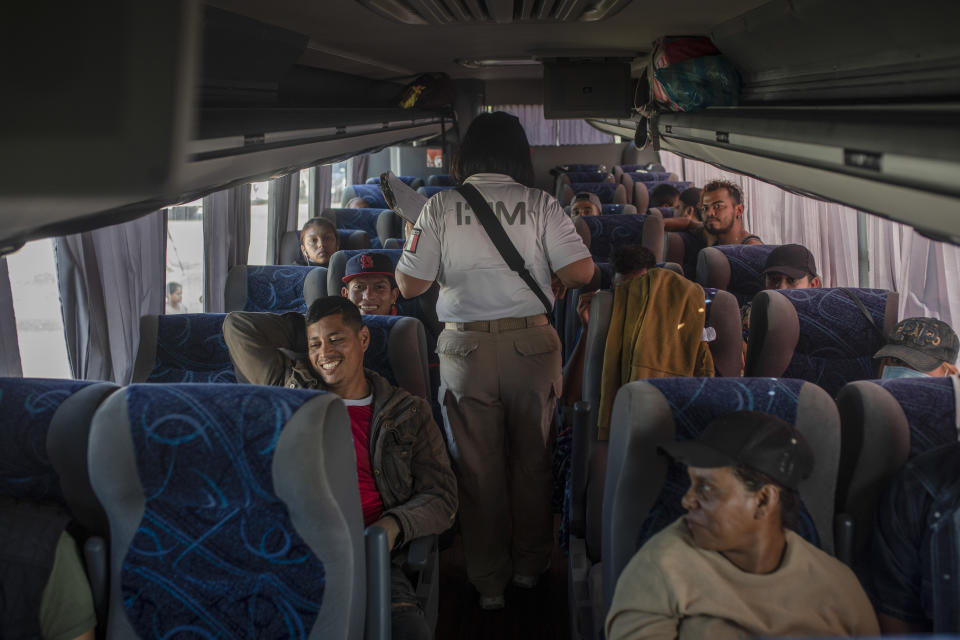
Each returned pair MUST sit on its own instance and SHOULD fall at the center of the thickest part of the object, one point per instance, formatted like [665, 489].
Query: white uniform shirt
[449, 245]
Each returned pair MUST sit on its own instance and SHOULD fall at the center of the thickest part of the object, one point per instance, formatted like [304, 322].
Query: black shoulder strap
[864, 311]
[501, 241]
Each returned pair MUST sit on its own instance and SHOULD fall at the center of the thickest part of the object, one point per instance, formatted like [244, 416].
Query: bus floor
[542, 612]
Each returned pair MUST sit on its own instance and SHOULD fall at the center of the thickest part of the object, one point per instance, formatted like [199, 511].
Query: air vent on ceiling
[427, 12]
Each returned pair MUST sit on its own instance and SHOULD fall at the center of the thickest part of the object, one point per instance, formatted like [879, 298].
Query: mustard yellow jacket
[656, 331]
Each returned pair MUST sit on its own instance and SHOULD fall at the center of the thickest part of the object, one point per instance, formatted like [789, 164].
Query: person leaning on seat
[732, 567]
[919, 348]
[318, 242]
[406, 483]
[500, 363]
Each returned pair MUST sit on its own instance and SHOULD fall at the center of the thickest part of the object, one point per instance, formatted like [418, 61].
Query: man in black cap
[790, 266]
[369, 283]
[732, 567]
[920, 347]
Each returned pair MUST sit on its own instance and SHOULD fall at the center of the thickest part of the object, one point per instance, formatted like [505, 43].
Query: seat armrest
[418, 552]
[95, 557]
[377, 625]
[843, 538]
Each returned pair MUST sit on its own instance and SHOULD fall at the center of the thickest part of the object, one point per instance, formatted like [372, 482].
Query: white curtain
[108, 278]
[322, 186]
[282, 207]
[900, 259]
[542, 132]
[9, 345]
[226, 241]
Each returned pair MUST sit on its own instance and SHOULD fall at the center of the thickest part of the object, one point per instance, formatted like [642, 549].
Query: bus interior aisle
[538, 613]
[271, 367]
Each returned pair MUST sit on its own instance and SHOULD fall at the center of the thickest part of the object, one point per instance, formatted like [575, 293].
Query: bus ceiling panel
[221, 122]
[41, 216]
[98, 97]
[934, 214]
[794, 51]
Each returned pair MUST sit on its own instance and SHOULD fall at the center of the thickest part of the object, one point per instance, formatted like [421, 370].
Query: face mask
[891, 372]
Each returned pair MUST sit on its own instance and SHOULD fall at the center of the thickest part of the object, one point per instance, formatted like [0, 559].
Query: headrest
[439, 180]
[644, 176]
[398, 352]
[389, 225]
[356, 219]
[723, 315]
[212, 522]
[411, 181]
[567, 168]
[601, 233]
[614, 209]
[608, 192]
[586, 176]
[666, 212]
[737, 268]
[276, 289]
[692, 403]
[188, 348]
[834, 342]
[431, 191]
[369, 192]
[930, 407]
[27, 407]
[353, 239]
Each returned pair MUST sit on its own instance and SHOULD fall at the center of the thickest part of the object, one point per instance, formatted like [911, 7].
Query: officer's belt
[496, 326]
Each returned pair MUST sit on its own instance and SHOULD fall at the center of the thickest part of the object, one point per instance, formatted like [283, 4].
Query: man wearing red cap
[369, 283]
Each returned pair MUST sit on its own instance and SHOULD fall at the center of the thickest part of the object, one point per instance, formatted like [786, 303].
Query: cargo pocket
[537, 344]
[456, 345]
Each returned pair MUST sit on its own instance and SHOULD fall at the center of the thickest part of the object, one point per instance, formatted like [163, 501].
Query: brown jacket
[407, 453]
[656, 331]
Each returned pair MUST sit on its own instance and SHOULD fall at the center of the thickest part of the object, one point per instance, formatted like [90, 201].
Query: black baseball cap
[756, 440]
[923, 343]
[592, 198]
[368, 264]
[793, 260]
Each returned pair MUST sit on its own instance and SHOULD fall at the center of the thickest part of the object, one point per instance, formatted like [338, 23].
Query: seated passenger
[585, 204]
[369, 283]
[406, 483]
[732, 567]
[318, 242]
[665, 195]
[790, 266]
[44, 590]
[920, 347]
[627, 262]
[358, 203]
[689, 204]
[912, 557]
[722, 209]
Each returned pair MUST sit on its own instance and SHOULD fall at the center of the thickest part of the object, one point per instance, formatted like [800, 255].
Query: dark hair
[172, 287]
[331, 305]
[630, 258]
[318, 222]
[789, 499]
[495, 143]
[690, 197]
[731, 188]
[663, 195]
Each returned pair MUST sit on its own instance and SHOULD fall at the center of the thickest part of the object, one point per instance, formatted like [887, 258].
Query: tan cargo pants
[498, 391]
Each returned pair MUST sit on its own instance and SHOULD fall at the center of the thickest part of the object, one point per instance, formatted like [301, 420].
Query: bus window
[339, 182]
[185, 258]
[303, 202]
[258, 222]
[36, 303]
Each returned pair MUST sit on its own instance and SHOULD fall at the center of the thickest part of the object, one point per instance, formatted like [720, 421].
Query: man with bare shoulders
[721, 204]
